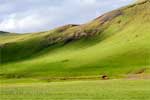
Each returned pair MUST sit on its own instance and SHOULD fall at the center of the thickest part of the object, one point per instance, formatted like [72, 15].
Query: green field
[67, 63]
[78, 90]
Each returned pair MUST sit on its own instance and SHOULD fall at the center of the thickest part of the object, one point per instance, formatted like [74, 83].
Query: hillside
[3, 33]
[114, 44]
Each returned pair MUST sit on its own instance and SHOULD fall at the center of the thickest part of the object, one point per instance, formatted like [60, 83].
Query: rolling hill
[115, 44]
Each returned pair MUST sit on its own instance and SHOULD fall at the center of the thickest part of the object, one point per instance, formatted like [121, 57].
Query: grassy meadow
[78, 90]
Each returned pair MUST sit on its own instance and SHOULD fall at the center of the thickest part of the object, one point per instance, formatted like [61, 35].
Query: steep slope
[116, 43]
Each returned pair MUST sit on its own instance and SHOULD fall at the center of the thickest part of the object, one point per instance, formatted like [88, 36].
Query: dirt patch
[138, 76]
[109, 16]
[140, 71]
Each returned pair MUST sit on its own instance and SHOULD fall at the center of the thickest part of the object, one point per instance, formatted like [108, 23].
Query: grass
[78, 90]
[118, 47]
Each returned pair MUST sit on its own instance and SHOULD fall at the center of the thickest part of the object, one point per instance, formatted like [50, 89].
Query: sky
[23, 16]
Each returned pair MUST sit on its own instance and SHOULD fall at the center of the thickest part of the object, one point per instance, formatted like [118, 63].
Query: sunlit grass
[88, 90]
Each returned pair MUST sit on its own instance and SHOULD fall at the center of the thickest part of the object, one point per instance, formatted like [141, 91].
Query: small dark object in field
[104, 77]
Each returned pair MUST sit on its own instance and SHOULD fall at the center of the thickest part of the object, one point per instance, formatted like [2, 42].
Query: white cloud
[36, 15]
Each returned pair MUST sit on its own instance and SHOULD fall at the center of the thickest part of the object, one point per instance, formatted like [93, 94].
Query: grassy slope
[87, 90]
[119, 46]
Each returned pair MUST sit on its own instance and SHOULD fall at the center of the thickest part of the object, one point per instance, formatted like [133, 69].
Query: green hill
[3, 33]
[115, 44]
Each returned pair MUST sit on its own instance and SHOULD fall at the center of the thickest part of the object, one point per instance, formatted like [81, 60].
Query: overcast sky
[23, 16]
